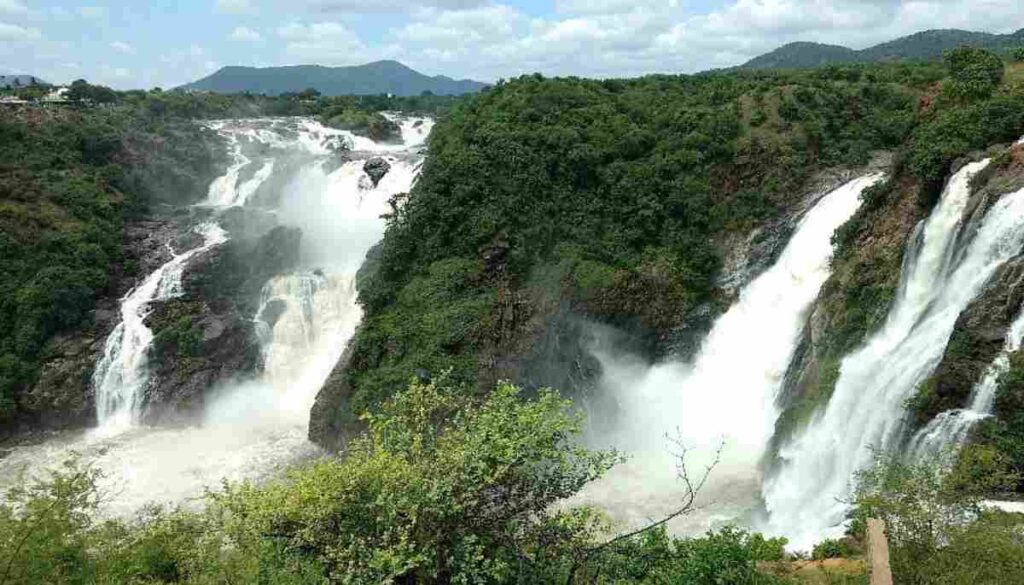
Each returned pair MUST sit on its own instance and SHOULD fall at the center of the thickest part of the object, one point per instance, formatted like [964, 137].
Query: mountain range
[924, 45]
[370, 79]
[19, 80]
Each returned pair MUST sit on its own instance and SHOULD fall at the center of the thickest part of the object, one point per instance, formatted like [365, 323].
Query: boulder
[376, 168]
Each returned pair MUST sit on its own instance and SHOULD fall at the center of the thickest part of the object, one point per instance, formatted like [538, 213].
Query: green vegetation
[1005, 431]
[370, 124]
[610, 194]
[972, 109]
[974, 73]
[60, 220]
[927, 45]
[938, 531]
[442, 488]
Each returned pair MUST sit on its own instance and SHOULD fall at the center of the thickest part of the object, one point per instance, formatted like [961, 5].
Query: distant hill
[925, 45]
[7, 81]
[370, 79]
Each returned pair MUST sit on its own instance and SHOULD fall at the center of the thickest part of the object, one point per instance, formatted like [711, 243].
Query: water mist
[727, 397]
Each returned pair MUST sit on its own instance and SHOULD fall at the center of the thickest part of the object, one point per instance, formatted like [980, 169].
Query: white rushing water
[250, 429]
[805, 497]
[950, 429]
[728, 395]
[121, 375]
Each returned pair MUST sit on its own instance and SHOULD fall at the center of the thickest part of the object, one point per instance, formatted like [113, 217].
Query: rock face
[63, 396]
[207, 336]
[331, 424]
[195, 348]
[376, 168]
[980, 330]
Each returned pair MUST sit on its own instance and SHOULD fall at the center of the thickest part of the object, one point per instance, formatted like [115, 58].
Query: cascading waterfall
[805, 496]
[121, 375]
[729, 394]
[250, 429]
[950, 429]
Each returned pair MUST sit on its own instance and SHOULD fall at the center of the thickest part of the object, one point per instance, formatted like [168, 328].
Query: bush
[975, 73]
[831, 548]
[938, 531]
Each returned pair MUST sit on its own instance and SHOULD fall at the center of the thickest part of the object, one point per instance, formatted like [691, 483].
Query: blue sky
[132, 43]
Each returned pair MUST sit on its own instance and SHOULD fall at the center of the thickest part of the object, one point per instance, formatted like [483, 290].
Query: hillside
[924, 45]
[375, 78]
[7, 81]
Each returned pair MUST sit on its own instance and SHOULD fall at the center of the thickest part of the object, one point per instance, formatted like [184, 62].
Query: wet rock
[376, 168]
[331, 421]
[272, 311]
[62, 398]
[195, 348]
[978, 336]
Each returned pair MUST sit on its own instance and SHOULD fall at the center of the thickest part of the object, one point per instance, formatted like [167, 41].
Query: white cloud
[14, 7]
[233, 6]
[390, 6]
[18, 34]
[612, 6]
[329, 43]
[122, 47]
[245, 34]
[607, 38]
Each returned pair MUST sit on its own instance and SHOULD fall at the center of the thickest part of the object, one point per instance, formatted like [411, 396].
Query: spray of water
[727, 396]
[806, 498]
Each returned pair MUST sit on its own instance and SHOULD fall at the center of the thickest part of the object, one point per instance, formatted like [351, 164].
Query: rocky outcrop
[63, 396]
[376, 168]
[207, 336]
[195, 348]
[331, 422]
[980, 331]
[977, 338]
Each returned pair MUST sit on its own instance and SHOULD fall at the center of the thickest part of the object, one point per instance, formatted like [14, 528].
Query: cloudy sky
[137, 43]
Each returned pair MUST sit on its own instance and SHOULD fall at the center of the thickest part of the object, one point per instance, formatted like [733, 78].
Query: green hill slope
[375, 78]
[924, 45]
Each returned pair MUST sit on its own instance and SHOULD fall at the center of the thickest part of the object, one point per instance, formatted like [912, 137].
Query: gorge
[329, 356]
[249, 424]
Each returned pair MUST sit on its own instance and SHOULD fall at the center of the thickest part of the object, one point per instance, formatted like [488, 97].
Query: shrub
[975, 73]
[938, 531]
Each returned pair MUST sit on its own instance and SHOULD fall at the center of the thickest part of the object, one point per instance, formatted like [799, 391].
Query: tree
[975, 73]
[442, 488]
[308, 94]
[1018, 54]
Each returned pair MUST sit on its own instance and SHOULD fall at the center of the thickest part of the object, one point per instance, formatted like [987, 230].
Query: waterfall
[950, 429]
[728, 395]
[805, 496]
[249, 429]
[120, 376]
